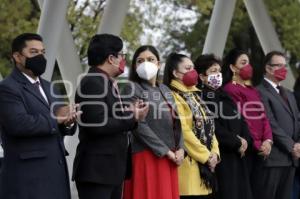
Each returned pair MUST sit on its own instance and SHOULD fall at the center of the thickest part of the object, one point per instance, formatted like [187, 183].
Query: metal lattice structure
[60, 45]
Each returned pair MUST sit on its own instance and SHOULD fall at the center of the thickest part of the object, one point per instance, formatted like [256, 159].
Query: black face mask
[36, 64]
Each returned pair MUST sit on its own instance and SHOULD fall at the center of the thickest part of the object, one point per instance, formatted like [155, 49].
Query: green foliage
[131, 32]
[286, 17]
[284, 13]
[84, 19]
[83, 24]
[16, 16]
[194, 40]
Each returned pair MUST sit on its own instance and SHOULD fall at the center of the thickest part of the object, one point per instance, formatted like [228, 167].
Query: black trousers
[272, 182]
[197, 197]
[98, 191]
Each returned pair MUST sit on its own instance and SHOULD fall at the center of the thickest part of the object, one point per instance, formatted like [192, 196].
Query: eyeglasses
[278, 65]
[123, 55]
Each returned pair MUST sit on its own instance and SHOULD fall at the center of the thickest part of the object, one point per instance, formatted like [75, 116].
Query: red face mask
[122, 66]
[280, 74]
[246, 72]
[190, 78]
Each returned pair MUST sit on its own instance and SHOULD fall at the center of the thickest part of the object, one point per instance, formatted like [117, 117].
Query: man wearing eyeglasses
[276, 173]
[103, 153]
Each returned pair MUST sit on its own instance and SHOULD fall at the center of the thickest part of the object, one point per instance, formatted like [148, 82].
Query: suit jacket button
[61, 162]
[53, 130]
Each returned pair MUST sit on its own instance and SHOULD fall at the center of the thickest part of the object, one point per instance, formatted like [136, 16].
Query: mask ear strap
[111, 61]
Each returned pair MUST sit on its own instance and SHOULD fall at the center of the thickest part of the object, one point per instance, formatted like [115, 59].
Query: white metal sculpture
[220, 23]
[60, 46]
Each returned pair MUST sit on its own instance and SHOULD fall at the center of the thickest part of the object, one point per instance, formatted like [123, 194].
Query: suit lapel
[290, 100]
[47, 91]
[28, 86]
[277, 96]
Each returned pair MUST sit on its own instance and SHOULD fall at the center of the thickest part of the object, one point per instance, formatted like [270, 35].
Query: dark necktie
[37, 88]
[283, 94]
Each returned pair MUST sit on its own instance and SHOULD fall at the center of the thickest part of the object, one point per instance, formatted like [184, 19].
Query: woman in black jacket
[231, 131]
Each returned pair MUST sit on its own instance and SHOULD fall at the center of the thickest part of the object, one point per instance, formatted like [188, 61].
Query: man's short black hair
[101, 46]
[269, 56]
[19, 43]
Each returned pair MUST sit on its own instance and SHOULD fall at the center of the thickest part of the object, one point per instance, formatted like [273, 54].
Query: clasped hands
[296, 151]
[139, 108]
[265, 148]
[212, 162]
[67, 114]
[177, 156]
[243, 147]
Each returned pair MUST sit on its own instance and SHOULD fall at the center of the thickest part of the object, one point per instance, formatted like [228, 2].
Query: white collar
[31, 79]
[274, 85]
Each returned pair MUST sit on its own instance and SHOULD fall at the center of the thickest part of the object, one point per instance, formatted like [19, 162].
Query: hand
[140, 109]
[243, 147]
[213, 161]
[171, 155]
[265, 148]
[179, 156]
[296, 151]
[68, 114]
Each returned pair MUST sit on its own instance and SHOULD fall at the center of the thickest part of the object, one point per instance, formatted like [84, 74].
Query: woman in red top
[237, 73]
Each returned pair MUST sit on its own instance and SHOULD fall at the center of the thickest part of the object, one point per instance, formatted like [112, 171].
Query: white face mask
[147, 70]
[215, 80]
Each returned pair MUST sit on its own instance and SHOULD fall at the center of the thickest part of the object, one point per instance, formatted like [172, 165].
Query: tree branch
[35, 10]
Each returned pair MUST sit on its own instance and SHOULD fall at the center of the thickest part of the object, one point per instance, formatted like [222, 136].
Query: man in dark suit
[1, 152]
[296, 189]
[1, 155]
[102, 153]
[275, 179]
[33, 127]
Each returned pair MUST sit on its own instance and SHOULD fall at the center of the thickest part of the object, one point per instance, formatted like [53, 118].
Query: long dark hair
[229, 59]
[133, 76]
[173, 60]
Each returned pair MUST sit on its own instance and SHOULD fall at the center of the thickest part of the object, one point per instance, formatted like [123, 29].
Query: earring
[234, 78]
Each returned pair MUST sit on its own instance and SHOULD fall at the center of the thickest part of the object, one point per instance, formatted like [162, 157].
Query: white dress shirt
[40, 87]
[272, 84]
